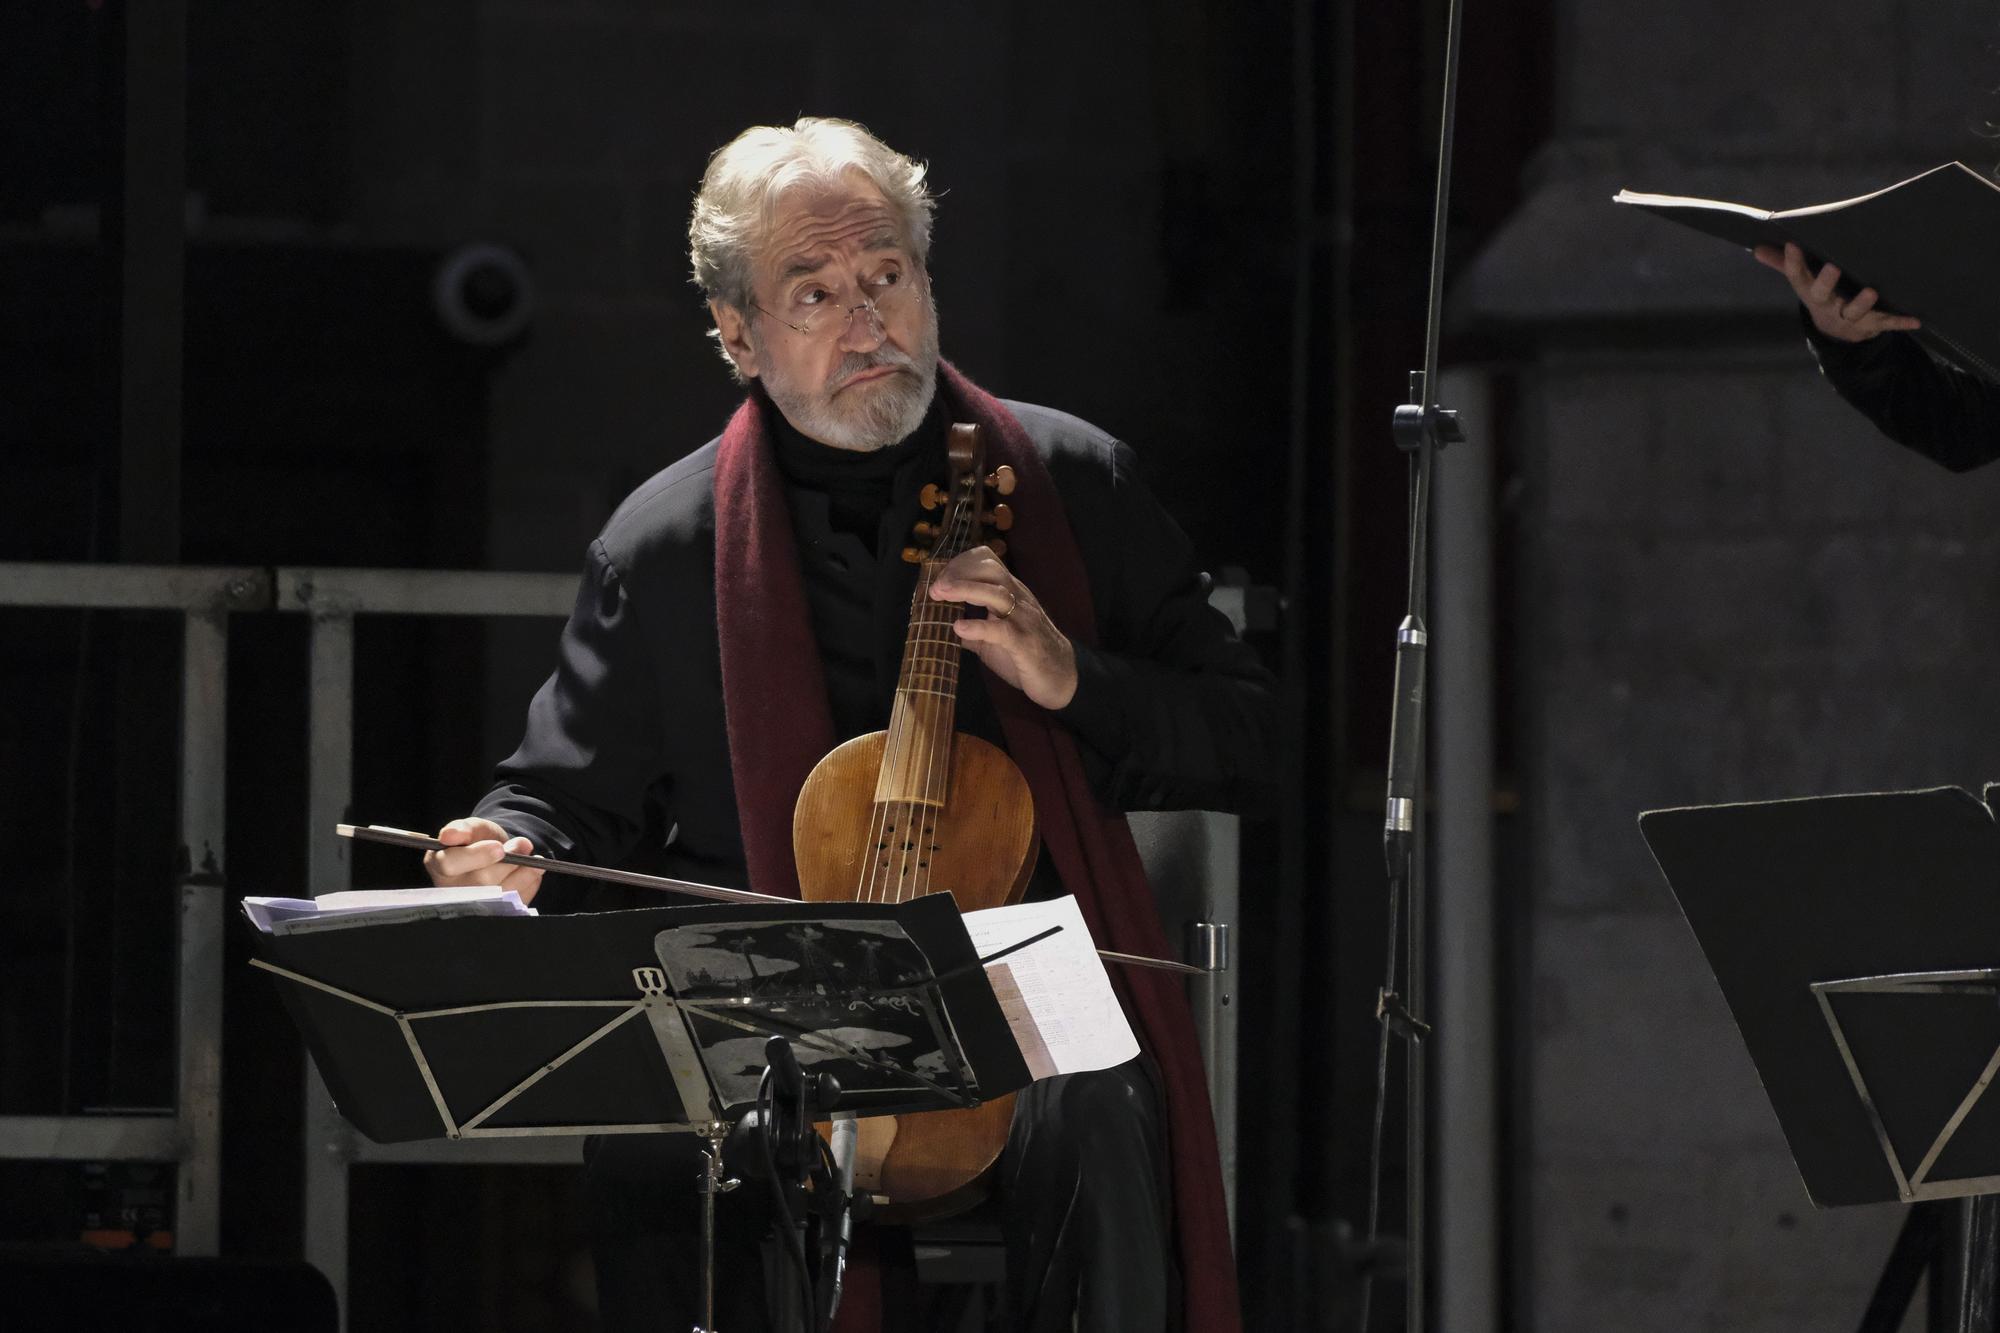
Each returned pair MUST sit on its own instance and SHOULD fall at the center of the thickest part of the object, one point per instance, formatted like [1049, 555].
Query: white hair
[747, 176]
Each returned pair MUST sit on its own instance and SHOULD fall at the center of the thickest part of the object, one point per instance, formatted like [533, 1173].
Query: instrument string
[913, 811]
[948, 658]
[927, 680]
[874, 885]
[871, 868]
[881, 884]
[881, 829]
[877, 883]
[925, 620]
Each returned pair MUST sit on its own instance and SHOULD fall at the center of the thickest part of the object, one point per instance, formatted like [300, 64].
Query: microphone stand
[1420, 428]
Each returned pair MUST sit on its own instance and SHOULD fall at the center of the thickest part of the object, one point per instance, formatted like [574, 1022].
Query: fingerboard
[916, 762]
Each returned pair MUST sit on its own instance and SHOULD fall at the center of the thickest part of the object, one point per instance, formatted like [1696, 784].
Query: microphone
[846, 1139]
[785, 1071]
[1406, 733]
[785, 1126]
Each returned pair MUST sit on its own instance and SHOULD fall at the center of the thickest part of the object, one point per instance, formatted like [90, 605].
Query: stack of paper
[357, 907]
[1055, 993]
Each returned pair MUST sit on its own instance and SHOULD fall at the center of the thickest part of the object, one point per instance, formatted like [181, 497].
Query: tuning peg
[913, 556]
[932, 496]
[999, 516]
[1001, 479]
[928, 531]
[997, 546]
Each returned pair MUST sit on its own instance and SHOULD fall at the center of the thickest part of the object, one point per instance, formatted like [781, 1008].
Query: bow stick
[395, 837]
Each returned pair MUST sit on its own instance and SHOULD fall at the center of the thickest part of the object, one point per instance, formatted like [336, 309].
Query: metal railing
[191, 1137]
[333, 598]
[1192, 857]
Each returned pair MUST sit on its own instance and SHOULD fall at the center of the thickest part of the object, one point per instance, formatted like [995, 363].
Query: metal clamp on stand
[714, 1180]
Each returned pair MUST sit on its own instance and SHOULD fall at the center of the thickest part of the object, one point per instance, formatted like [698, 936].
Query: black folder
[1857, 941]
[1925, 245]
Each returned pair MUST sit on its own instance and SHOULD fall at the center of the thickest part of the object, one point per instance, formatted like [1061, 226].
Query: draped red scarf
[775, 703]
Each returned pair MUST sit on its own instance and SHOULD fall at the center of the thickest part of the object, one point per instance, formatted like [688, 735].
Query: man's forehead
[807, 228]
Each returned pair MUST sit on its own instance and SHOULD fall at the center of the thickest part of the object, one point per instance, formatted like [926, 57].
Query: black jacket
[625, 760]
[1944, 413]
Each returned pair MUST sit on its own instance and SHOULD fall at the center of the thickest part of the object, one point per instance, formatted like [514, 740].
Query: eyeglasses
[827, 318]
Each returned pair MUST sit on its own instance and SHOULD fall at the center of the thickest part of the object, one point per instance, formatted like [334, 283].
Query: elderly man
[744, 611]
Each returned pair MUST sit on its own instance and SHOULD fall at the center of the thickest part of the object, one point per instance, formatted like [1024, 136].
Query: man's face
[842, 332]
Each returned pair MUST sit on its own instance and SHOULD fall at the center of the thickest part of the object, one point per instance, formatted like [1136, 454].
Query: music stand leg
[1977, 1260]
[1919, 1249]
[710, 1183]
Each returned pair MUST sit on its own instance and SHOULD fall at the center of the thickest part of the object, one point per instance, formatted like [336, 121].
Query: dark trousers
[1082, 1193]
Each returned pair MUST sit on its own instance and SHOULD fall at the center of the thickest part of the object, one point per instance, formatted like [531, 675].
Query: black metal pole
[148, 230]
[1421, 428]
[137, 514]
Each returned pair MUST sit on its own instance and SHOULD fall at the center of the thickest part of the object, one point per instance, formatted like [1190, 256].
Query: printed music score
[1055, 993]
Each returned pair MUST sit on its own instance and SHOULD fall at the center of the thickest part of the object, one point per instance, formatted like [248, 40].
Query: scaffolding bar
[423, 592]
[90, 1138]
[191, 1136]
[330, 1144]
[134, 587]
[203, 886]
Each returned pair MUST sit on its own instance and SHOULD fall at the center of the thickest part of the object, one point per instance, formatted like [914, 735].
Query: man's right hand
[1852, 321]
[473, 848]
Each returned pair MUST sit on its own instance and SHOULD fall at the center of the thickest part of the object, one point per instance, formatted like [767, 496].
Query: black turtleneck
[857, 485]
[852, 515]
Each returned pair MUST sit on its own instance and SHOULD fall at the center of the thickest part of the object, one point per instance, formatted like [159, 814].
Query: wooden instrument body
[920, 808]
[980, 845]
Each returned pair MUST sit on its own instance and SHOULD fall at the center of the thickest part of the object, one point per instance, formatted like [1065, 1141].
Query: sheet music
[1055, 993]
[356, 906]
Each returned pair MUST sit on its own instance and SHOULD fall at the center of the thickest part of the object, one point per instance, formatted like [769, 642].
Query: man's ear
[733, 331]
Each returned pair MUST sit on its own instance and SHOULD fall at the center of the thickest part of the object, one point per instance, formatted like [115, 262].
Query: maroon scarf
[775, 703]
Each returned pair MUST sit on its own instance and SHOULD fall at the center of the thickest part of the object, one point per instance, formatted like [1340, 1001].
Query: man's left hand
[1846, 320]
[1016, 639]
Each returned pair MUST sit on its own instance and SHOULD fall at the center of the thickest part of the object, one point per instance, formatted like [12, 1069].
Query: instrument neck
[915, 763]
[931, 649]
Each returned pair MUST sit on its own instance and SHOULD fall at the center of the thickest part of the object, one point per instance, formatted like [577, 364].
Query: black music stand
[1857, 942]
[642, 1021]
[483, 1027]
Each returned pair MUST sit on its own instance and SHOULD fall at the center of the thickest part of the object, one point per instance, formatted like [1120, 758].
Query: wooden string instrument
[922, 808]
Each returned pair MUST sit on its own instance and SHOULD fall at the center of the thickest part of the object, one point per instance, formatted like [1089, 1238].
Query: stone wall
[1730, 588]
[1736, 590]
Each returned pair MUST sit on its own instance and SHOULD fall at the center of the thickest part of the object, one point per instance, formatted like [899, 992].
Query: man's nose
[864, 331]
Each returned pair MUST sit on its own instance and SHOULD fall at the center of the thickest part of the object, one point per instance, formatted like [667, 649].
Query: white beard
[866, 418]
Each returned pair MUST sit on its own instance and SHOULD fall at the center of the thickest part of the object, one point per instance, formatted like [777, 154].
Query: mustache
[854, 363]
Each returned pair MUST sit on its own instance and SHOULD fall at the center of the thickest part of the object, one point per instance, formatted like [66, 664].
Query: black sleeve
[1946, 414]
[577, 785]
[1173, 711]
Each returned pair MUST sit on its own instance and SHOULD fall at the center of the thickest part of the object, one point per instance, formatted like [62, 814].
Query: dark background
[1204, 227]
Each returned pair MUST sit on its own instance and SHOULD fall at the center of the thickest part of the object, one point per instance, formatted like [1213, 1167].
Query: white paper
[348, 900]
[481, 899]
[1057, 998]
